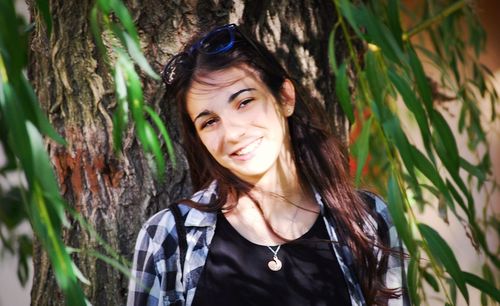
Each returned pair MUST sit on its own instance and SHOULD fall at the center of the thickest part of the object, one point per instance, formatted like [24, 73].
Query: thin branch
[435, 19]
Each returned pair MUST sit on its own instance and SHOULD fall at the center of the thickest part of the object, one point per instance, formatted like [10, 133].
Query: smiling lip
[245, 153]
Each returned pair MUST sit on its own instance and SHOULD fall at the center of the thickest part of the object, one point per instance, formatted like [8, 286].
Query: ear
[287, 97]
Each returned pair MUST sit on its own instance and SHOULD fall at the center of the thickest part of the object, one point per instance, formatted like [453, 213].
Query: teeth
[248, 148]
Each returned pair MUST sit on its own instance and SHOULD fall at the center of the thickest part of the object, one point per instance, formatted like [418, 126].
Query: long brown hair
[317, 154]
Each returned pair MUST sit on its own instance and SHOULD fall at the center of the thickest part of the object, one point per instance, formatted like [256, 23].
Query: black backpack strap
[181, 234]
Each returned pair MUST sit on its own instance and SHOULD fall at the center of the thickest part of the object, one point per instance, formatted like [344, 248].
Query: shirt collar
[199, 218]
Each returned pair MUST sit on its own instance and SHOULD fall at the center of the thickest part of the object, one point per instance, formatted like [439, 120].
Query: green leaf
[112, 262]
[476, 171]
[394, 21]
[331, 50]
[380, 35]
[413, 277]
[32, 106]
[453, 291]
[393, 131]
[43, 7]
[120, 117]
[482, 285]
[25, 252]
[48, 232]
[18, 135]
[430, 171]
[105, 5]
[134, 92]
[163, 130]
[443, 253]
[361, 147]
[445, 143]
[44, 174]
[431, 280]
[14, 41]
[136, 53]
[396, 208]
[79, 275]
[421, 79]
[458, 198]
[376, 77]
[411, 101]
[126, 20]
[488, 276]
[342, 90]
[12, 211]
[350, 12]
[154, 145]
[96, 30]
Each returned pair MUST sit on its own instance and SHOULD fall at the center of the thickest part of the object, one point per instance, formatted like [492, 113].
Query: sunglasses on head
[219, 40]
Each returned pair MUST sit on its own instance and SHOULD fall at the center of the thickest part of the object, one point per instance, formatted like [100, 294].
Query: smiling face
[241, 124]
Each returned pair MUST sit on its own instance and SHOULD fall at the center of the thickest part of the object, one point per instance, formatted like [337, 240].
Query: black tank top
[236, 272]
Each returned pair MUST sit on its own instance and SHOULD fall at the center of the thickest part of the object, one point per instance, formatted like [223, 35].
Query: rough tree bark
[116, 194]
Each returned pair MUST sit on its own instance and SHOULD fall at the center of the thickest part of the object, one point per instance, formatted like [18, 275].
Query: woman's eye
[208, 123]
[245, 102]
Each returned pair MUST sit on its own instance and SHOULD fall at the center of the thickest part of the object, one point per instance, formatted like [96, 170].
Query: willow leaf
[413, 277]
[126, 20]
[451, 156]
[31, 102]
[431, 280]
[411, 101]
[44, 175]
[136, 53]
[154, 146]
[442, 252]
[120, 117]
[376, 77]
[421, 79]
[430, 171]
[483, 285]
[342, 90]
[331, 50]
[476, 171]
[396, 208]
[43, 7]
[361, 147]
[394, 21]
[18, 136]
[96, 30]
[163, 130]
[61, 262]
[350, 12]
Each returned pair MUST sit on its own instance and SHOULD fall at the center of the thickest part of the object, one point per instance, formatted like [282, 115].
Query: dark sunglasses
[219, 40]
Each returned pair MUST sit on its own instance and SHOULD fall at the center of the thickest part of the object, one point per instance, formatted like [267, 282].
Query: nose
[234, 128]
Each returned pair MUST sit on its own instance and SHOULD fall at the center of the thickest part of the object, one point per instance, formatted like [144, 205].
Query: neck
[283, 194]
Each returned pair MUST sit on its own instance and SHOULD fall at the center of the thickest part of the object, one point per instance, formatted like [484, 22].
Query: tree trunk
[117, 193]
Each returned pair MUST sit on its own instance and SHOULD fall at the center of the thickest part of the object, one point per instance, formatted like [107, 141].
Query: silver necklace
[275, 263]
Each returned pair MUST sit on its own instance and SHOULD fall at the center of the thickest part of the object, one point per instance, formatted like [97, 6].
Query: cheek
[211, 143]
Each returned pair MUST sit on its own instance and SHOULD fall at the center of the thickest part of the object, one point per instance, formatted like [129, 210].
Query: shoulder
[376, 205]
[159, 226]
[380, 217]
[163, 224]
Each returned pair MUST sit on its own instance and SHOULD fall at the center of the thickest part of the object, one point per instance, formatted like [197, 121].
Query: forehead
[217, 84]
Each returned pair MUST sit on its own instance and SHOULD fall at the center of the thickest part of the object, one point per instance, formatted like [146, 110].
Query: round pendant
[274, 264]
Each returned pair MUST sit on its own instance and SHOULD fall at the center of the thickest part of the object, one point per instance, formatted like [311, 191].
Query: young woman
[277, 220]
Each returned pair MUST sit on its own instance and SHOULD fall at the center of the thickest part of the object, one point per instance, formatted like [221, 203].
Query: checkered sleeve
[144, 285]
[397, 264]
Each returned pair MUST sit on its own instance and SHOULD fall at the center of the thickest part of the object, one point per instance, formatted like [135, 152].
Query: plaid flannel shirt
[155, 279]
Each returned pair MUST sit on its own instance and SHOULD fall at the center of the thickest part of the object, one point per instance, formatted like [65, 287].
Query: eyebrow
[229, 100]
[203, 113]
[235, 95]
